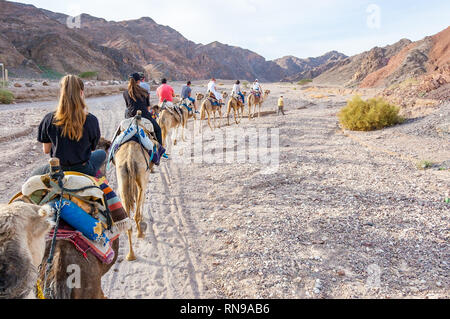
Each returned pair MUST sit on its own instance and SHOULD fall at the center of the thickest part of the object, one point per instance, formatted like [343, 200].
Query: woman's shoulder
[48, 118]
[91, 117]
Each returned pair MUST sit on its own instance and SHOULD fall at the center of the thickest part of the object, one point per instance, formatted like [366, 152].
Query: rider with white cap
[257, 89]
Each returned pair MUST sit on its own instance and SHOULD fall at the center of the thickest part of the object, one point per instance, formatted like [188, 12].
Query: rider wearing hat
[137, 99]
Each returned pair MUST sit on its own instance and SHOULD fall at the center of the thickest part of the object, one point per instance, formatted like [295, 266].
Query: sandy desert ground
[346, 215]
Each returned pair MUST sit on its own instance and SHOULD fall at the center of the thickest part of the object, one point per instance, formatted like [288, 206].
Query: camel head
[244, 93]
[23, 228]
[176, 99]
[266, 93]
[224, 94]
[199, 96]
[104, 144]
[156, 109]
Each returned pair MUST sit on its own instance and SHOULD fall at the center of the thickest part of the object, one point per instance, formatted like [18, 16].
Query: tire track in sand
[166, 268]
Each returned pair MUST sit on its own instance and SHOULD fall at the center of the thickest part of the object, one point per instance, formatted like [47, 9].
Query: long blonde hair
[71, 111]
[135, 91]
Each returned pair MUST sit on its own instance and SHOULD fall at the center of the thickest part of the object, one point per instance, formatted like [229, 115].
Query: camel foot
[131, 257]
[175, 142]
[141, 235]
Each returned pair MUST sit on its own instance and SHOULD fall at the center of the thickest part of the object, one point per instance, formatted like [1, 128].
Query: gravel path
[345, 216]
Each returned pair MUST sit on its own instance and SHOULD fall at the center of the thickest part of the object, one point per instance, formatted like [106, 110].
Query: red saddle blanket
[65, 232]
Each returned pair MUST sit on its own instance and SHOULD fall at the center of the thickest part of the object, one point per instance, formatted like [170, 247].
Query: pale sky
[302, 28]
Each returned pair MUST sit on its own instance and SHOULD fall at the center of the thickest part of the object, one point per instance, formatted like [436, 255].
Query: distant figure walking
[165, 92]
[281, 106]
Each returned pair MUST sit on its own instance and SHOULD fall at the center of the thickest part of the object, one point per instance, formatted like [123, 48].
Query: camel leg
[140, 202]
[259, 110]
[131, 256]
[164, 135]
[176, 135]
[183, 128]
[228, 114]
[236, 115]
[209, 121]
[220, 116]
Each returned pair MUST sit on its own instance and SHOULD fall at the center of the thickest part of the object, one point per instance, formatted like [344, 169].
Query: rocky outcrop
[38, 41]
[353, 70]
[298, 69]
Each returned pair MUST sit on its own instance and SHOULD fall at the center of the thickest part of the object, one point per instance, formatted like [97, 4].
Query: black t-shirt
[70, 152]
[138, 105]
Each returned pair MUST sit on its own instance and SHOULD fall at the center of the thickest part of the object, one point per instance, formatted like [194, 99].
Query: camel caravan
[59, 235]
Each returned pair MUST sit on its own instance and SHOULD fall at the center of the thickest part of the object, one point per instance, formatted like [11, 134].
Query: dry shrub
[153, 72]
[318, 96]
[6, 97]
[373, 114]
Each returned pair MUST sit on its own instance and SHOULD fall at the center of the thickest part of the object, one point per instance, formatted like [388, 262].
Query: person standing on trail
[137, 99]
[281, 106]
[71, 133]
[212, 90]
[165, 92]
[186, 93]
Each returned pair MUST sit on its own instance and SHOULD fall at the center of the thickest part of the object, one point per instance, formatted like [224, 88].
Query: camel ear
[44, 219]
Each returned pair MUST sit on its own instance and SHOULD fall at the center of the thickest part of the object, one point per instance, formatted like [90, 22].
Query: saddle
[237, 97]
[186, 103]
[92, 216]
[212, 98]
[173, 109]
[136, 129]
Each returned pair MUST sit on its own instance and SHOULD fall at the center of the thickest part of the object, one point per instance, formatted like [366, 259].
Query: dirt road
[342, 216]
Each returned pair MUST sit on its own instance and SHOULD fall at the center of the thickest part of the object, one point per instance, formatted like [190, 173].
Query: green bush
[425, 165]
[373, 114]
[88, 75]
[304, 81]
[6, 97]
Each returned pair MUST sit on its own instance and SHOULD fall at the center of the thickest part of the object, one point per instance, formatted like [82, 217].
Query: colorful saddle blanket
[105, 253]
[139, 130]
[91, 212]
[187, 104]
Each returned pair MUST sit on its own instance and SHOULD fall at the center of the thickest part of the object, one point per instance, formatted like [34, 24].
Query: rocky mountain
[37, 41]
[298, 69]
[427, 56]
[351, 71]
[395, 64]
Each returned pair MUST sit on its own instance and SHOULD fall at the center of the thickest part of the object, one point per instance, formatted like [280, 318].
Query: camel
[168, 121]
[23, 229]
[132, 178]
[253, 100]
[208, 108]
[235, 104]
[54, 283]
[91, 272]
